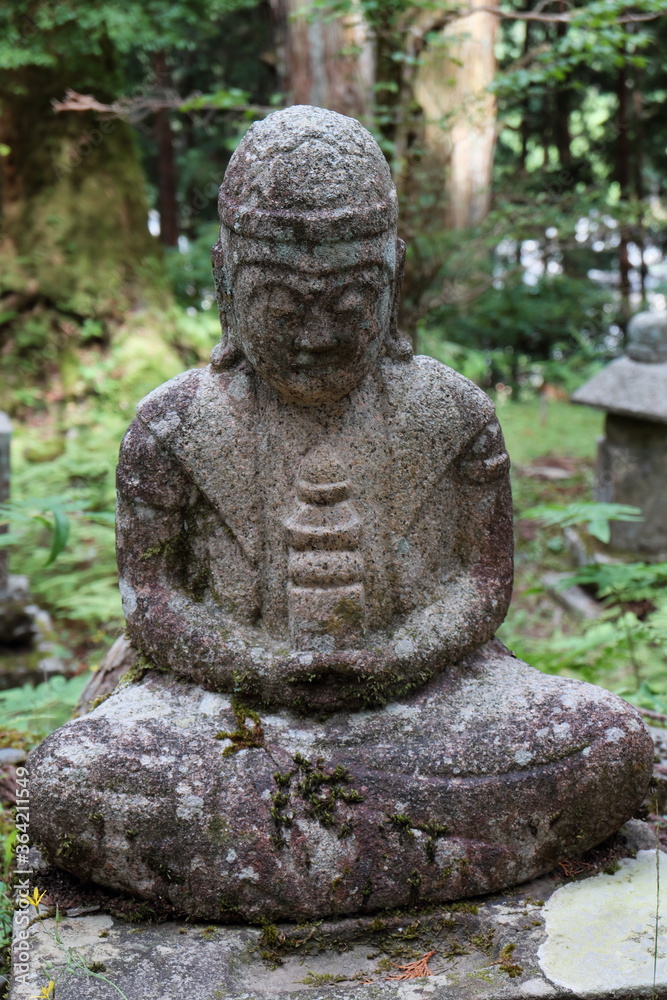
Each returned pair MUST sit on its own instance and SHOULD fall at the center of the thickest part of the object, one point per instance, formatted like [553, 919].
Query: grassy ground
[533, 429]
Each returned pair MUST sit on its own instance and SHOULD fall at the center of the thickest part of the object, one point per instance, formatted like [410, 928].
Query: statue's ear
[228, 351]
[220, 276]
[398, 347]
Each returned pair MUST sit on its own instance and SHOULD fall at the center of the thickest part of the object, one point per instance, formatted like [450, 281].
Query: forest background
[529, 149]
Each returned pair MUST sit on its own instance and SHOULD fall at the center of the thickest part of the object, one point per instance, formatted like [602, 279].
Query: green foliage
[223, 100]
[189, 271]
[64, 472]
[625, 646]
[594, 516]
[42, 34]
[597, 38]
[623, 581]
[37, 710]
[59, 527]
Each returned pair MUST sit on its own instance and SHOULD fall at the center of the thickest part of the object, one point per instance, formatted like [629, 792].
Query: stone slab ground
[591, 938]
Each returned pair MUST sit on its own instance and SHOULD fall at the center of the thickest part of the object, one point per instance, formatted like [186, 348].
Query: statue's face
[312, 336]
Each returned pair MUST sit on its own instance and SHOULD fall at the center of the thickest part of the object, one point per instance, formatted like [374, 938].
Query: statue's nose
[319, 334]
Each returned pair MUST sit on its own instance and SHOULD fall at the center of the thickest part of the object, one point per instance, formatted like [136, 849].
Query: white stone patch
[170, 422]
[249, 874]
[536, 988]
[613, 735]
[128, 597]
[149, 760]
[231, 855]
[213, 704]
[561, 730]
[403, 711]
[404, 647]
[238, 387]
[189, 805]
[569, 700]
[410, 992]
[600, 932]
[523, 757]
[80, 750]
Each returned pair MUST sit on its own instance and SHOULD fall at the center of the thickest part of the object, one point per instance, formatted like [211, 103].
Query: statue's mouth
[319, 362]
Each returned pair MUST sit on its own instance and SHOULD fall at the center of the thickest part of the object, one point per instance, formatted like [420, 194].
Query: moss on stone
[243, 737]
[506, 964]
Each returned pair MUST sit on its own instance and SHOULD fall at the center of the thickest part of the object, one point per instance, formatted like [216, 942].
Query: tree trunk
[460, 115]
[526, 108]
[562, 101]
[166, 161]
[623, 177]
[328, 63]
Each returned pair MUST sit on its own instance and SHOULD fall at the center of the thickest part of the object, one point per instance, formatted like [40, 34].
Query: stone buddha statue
[315, 553]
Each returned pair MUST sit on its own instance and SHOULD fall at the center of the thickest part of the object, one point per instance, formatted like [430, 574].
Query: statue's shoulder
[439, 398]
[194, 399]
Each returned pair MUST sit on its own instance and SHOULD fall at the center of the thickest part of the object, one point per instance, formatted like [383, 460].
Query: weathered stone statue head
[314, 524]
[308, 265]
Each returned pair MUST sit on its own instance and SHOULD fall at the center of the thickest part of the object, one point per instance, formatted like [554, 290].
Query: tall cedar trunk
[526, 109]
[327, 63]
[166, 160]
[562, 101]
[623, 177]
[460, 114]
[637, 174]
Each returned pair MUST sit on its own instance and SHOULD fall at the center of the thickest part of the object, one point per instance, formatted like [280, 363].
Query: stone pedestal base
[632, 469]
[591, 939]
[484, 779]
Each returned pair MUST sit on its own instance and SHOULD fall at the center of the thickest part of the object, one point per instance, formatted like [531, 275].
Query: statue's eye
[353, 299]
[284, 303]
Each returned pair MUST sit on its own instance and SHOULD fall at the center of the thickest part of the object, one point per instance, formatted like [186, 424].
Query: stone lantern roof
[634, 385]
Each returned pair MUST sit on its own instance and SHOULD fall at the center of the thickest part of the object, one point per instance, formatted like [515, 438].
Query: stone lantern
[632, 456]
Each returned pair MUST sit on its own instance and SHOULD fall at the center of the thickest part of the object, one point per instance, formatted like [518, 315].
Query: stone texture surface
[515, 946]
[314, 526]
[483, 779]
[208, 491]
[603, 934]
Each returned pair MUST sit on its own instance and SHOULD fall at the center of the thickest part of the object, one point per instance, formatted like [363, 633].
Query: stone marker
[16, 617]
[315, 552]
[632, 456]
